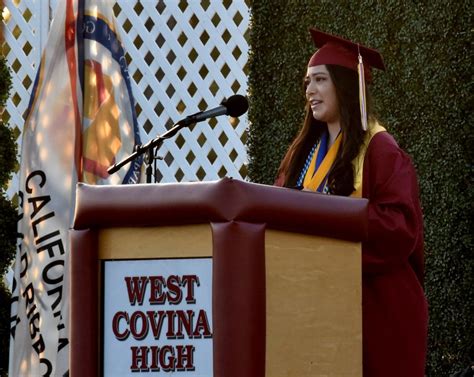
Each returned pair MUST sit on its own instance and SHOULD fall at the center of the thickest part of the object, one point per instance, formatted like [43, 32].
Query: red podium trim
[238, 298]
[84, 323]
[224, 200]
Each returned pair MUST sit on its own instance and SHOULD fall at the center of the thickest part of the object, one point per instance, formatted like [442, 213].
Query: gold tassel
[362, 100]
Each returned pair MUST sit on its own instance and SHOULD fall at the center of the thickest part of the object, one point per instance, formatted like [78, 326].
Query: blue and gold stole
[358, 162]
[315, 173]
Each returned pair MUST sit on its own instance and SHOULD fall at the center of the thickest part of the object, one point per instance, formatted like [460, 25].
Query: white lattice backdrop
[184, 56]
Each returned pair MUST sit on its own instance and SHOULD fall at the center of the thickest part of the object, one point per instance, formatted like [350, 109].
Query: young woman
[335, 154]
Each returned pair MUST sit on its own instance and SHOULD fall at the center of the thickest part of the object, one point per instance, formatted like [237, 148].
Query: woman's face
[321, 94]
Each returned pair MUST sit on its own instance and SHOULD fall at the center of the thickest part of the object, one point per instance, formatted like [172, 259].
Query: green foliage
[7, 233]
[7, 154]
[5, 82]
[4, 329]
[8, 217]
[424, 98]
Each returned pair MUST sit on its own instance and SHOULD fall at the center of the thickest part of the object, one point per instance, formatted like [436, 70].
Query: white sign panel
[158, 317]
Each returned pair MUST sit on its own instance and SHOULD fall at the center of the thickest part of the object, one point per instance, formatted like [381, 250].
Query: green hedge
[424, 98]
[8, 217]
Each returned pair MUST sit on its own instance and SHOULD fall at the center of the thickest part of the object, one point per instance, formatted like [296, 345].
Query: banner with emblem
[80, 120]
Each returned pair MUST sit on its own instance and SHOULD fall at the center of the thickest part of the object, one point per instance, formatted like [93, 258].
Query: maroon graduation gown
[394, 308]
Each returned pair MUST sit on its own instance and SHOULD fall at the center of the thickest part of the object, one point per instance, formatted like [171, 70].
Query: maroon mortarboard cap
[338, 51]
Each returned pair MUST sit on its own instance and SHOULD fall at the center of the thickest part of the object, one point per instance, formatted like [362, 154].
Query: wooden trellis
[183, 56]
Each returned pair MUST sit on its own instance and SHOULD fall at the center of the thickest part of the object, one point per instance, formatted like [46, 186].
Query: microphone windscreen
[236, 105]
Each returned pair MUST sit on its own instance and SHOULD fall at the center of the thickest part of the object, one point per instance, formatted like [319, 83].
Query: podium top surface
[173, 204]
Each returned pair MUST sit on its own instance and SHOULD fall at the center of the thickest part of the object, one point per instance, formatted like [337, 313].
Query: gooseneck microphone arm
[235, 106]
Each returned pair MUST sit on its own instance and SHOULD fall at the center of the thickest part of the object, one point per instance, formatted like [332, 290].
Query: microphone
[234, 106]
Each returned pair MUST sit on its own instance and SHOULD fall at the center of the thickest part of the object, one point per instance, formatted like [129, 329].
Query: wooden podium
[286, 273]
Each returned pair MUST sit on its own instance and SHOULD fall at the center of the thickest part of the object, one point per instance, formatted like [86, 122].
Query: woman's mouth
[314, 103]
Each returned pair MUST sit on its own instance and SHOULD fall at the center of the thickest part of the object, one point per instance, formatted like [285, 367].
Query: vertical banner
[80, 120]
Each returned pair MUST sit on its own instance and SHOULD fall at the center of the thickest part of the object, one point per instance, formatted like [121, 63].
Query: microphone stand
[149, 149]
[235, 106]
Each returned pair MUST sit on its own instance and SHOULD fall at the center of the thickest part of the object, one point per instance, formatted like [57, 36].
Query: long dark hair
[341, 176]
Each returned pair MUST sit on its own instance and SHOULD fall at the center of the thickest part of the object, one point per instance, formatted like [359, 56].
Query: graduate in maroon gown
[343, 150]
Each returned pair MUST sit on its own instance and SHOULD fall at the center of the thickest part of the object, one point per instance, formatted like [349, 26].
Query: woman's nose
[310, 88]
